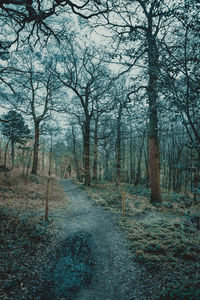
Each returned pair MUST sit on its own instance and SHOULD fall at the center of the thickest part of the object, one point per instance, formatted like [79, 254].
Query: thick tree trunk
[154, 171]
[0, 151]
[36, 149]
[87, 152]
[154, 167]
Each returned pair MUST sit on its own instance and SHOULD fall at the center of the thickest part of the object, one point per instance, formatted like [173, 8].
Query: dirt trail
[115, 275]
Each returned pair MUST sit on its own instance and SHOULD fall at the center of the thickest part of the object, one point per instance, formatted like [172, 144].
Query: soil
[96, 262]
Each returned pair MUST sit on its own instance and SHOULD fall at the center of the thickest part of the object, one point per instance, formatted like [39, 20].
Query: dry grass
[26, 239]
[30, 196]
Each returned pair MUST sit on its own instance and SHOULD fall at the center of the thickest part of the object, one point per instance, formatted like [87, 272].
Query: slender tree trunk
[23, 156]
[170, 174]
[13, 152]
[50, 156]
[131, 161]
[106, 173]
[25, 159]
[118, 145]
[146, 152]
[87, 152]
[139, 162]
[43, 155]
[28, 165]
[95, 151]
[5, 157]
[75, 154]
[36, 149]
[154, 167]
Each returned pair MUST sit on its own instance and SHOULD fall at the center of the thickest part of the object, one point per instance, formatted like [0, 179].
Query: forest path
[115, 275]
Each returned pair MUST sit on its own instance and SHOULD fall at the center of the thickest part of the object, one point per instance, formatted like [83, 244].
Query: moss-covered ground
[163, 237]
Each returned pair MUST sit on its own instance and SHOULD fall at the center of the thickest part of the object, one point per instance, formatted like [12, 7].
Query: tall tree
[139, 24]
[88, 79]
[181, 71]
[35, 91]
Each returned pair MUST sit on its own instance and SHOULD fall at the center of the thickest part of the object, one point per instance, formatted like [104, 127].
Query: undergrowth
[162, 237]
[21, 240]
[26, 239]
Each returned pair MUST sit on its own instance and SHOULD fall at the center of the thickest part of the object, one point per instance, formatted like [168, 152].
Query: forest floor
[87, 251]
[164, 237]
[26, 240]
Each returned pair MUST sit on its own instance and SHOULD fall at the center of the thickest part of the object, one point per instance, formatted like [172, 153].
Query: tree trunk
[106, 173]
[75, 154]
[5, 157]
[95, 151]
[28, 165]
[13, 152]
[154, 167]
[43, 155]
[139, 162]
[132, 160]
[118, 145]
[36, 149]
[146, 155]
[86, 143]
[0, 151]
[50, 156]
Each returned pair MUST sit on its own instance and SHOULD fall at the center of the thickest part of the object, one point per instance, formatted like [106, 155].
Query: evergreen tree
[15, 130]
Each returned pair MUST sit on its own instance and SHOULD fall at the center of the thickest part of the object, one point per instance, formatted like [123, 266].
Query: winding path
[116, 276]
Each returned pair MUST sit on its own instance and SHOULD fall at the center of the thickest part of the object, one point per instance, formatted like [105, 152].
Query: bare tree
[137, 27]
[88, 79]
[27, 18]
[35, 88]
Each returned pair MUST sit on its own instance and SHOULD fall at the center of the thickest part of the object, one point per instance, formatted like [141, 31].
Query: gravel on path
[109, 272]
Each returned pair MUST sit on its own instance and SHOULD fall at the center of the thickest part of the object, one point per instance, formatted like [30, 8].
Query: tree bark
[75, 154]
[154, 167]
[36, 149]
[87, 152]
[5, 157]
[137, 177]
[95, 151]
[13, 152]
[132, 160]
[118, 145]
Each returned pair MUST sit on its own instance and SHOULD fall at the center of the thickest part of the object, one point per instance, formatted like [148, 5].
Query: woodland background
[107, 92]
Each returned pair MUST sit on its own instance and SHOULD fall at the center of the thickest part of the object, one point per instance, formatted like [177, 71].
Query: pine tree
[15, 130]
